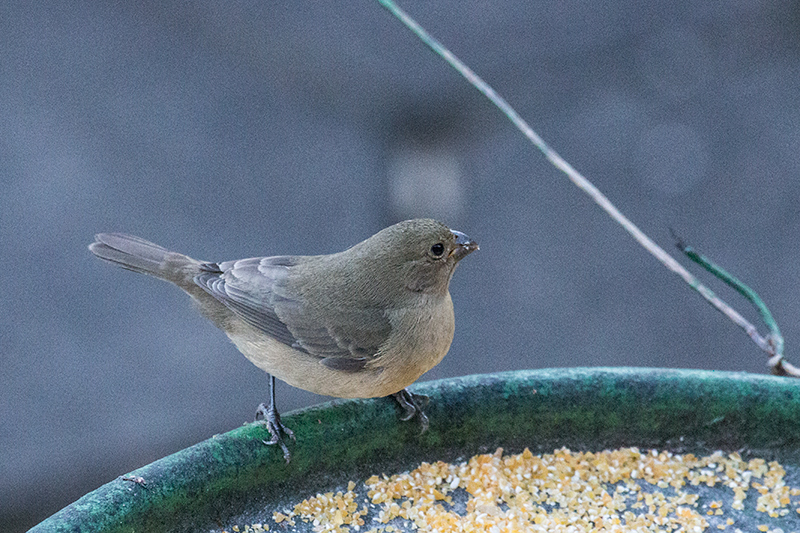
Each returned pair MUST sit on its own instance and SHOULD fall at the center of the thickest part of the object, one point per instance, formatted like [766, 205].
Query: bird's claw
[270, 418]
[413, 405]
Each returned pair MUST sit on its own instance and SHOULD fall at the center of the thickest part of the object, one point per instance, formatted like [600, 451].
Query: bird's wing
[257, 290]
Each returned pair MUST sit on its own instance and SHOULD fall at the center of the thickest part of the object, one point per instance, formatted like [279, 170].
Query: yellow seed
[551, 492]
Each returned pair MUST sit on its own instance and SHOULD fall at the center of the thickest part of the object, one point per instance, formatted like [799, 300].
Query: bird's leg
[269, 416]
[413, 405]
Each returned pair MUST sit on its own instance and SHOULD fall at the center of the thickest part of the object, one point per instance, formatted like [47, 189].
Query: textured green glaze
[229, 475]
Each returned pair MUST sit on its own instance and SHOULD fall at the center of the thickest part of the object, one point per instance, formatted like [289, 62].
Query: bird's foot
[268, 415]
[413, 405]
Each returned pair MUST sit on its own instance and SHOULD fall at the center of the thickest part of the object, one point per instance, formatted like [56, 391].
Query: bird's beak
[464, 246]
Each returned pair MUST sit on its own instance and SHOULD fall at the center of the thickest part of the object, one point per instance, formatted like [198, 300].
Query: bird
[366, 322]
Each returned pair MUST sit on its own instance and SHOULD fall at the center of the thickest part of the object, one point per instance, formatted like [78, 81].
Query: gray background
[232, 129]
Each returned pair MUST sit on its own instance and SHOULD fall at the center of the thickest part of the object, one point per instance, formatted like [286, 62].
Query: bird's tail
[145, 257]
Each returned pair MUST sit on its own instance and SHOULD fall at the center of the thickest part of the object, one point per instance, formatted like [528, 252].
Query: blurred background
[237, 129]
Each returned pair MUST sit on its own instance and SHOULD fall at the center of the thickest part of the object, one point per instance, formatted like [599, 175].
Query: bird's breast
[420, 338]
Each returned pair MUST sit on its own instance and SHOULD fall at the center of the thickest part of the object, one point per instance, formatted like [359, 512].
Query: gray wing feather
[257, 291]
[259, 313]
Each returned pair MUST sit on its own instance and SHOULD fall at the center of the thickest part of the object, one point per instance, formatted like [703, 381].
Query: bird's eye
[437, 249]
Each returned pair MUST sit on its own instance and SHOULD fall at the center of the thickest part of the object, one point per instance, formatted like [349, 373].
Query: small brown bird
[362, 323]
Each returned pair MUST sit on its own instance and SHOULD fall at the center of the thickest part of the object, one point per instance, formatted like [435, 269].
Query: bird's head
[416, 255]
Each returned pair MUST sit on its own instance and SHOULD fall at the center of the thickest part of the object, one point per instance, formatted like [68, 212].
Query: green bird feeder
[235, 479]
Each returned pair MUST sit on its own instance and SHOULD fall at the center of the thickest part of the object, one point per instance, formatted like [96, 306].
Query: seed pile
[619, 490]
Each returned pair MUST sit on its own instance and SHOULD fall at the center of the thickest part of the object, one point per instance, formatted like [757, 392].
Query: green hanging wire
[733, 282]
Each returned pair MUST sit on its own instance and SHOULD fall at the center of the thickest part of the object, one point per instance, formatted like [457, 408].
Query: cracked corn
[618, 490]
